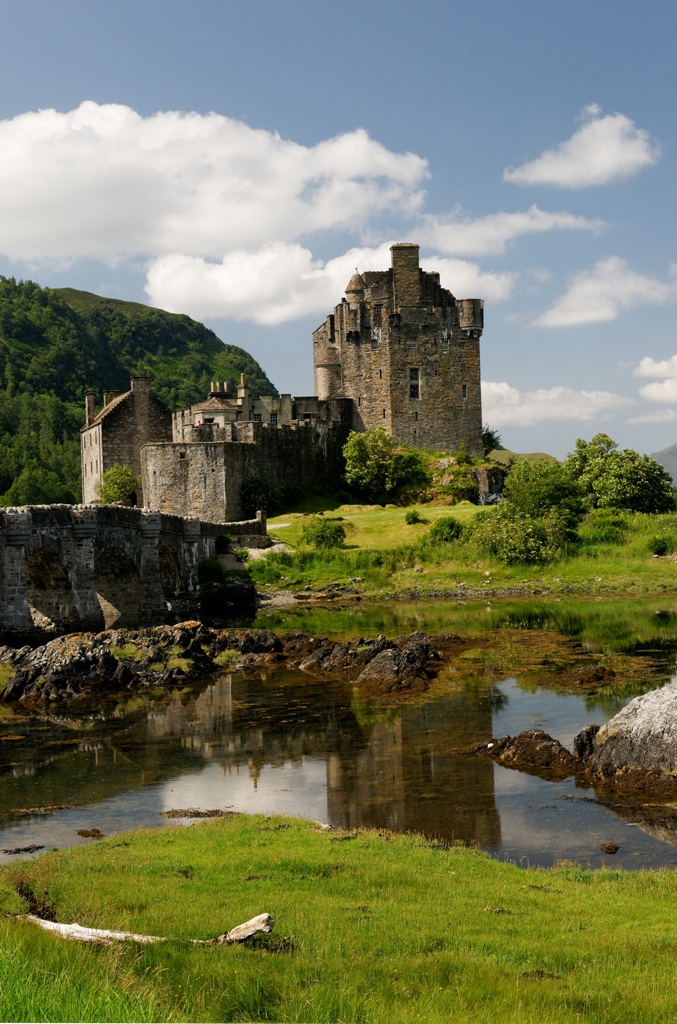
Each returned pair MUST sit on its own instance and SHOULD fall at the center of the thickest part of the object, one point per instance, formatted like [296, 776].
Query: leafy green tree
[379, 468]
[535, 488]
[118, 486]
[614, 478]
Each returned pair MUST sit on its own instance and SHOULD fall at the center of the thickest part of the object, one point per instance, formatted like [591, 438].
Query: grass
[379, 928]
[390, 557]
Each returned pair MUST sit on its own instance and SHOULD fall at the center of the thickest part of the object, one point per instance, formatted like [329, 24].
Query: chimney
[89, 406]
[108, 396]
[406, 274]
[140, 385]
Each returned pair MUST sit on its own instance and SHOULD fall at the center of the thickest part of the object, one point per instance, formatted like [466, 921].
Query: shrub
[266, 569]
[412, 516]
[447, 528]
[514, 537]
[323, 533]
[659, 544]
[242, 554]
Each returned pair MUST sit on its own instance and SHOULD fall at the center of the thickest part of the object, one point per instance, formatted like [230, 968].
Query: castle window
[273, 419]
[257, 417]
[464, 391]
[374, 344]
[380, 374]
[182, 456]
[416, 416]
[414, 382]
[384, 414]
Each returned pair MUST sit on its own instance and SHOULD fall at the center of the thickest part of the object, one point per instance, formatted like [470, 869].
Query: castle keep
[407, 353]
[399, 352]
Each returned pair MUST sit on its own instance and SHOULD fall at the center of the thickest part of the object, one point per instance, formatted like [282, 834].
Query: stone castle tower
[407, 353]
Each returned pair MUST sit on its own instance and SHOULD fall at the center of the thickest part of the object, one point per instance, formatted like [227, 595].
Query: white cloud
[659, 416]
[282, 282]
[506, 406]
[459, 234]
[604, 149]
[102, 181]
[660, 391]
[604, 292]
[648, 367]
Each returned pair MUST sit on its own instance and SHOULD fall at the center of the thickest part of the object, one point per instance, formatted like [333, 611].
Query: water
[284, 742]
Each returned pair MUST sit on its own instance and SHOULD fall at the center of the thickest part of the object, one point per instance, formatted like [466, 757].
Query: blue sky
[236, 162]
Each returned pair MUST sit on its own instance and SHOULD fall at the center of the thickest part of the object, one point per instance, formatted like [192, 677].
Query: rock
[643, 735]
[584, 742]
[589, 677]
[534, 752]
[398, 668]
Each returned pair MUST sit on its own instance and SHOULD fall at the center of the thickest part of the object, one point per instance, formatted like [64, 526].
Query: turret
[406, 274]
[471, 316]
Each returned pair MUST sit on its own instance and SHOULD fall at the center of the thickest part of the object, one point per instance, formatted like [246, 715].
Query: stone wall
[67, 568]
[204, 479]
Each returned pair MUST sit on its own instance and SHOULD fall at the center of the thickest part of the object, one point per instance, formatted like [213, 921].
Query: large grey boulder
[643, 735]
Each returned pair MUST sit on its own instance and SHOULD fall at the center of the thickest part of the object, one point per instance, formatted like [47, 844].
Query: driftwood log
[262, 923]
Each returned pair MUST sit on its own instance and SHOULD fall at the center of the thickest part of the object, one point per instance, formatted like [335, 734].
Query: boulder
[641, 736]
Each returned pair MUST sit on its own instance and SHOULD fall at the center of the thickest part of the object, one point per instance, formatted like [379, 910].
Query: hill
[667, 458]
[54, 343]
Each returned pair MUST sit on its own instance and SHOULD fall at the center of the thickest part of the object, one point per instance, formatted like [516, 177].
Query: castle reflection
[394, 770]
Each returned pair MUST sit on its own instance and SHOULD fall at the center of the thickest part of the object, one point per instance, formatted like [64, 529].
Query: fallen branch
[262, 923]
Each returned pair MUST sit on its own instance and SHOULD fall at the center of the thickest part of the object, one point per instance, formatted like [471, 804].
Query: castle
[399, 352]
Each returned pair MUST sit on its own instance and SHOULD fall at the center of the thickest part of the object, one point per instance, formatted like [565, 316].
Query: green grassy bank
[388, 556]
[369, 927]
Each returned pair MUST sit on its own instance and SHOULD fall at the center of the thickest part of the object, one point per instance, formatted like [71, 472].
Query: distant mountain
[667, 458]
[54, 343]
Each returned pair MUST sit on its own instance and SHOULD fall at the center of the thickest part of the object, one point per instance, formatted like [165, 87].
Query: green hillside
[54, 343]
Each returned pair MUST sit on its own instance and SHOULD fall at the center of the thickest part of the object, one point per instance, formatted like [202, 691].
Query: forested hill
[54, 343]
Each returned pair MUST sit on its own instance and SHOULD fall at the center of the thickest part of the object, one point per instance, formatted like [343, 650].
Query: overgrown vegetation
[378, 928]
[379, 469]
[54, 343]
[323, 532]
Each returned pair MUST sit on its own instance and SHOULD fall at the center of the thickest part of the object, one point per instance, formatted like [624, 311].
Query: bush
[323, 533]
[242, 554]
[659, 544]
[515, 538]
[412, 516]
[447, 529]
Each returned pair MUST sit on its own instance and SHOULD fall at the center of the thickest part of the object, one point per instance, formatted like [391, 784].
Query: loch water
[281, 741]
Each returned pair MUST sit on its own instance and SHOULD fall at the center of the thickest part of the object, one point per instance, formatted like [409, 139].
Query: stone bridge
[71, 568]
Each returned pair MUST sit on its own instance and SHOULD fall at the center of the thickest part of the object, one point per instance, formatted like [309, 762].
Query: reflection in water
[286, 743]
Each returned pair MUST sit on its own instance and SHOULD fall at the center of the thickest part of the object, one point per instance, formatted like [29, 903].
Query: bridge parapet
[67, 568]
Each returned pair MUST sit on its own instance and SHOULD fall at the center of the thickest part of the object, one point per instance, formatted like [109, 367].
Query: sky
[237, 161]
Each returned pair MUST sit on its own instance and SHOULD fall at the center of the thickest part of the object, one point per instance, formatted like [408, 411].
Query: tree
[536, 488]
[613, 478]
[118, 486]
[491, 440]
[380, 468]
